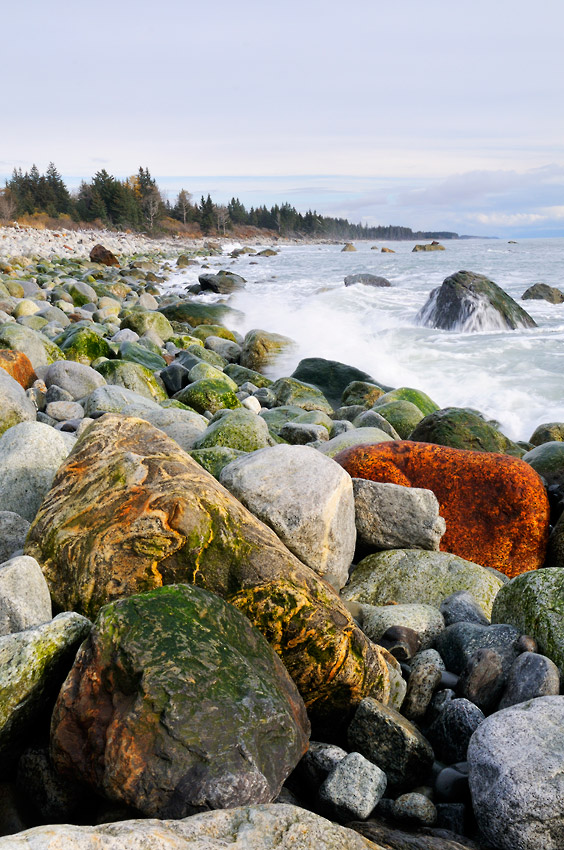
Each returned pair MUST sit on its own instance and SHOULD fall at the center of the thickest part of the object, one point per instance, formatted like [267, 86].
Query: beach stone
[532, 603]
[425, 620]
[183, 426]
[134, 377]
[211, 394]
[13, 531]
[351, 439]
[30, 454]
[214, 459]
[403, 416]
[543, 292]
[142, 321]
[331, 377]
[318, 762]
[202, 370]
[451, 783]
[15, 406]
[240, 374]
[277, 417]
[24, 596]
[237, 429]
[83, 344]
[151, 516]
[112, 398]
[230, 351]
[483, 679]
[261, 348]
[81, 293]
[301, 433]
[220, 724]
[78, 379]
[548, 432]
[306, 499]
[33, 665]
[353, 788]
[196, 350]
[390, 516]
[420, 399]
[451, 731]
[364, 392]
[175, 377]
[390, 741]
[18, 366]
[461, 607]
[531, 676]
[194, 314]
[204, 332]
[372, 419]
[423, 681]
[63, 410]
[411, 575]
[100, 254]
[262, 827]
[289, 391]
[40, 350]
[495, 507]
[516, 775]
[461, 428]
[401, 641]
[548, 460]
[138, 353]
[223, 282]
[415, 809]
[470, 302]
[458, 643]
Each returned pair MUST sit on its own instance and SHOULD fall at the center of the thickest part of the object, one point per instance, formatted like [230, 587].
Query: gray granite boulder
[76, 378]
[15, 406]
[306, 498]
[531, 676]
[389, 516]
[25, 600]
[516, 775]
[13, 531]
[113, 399]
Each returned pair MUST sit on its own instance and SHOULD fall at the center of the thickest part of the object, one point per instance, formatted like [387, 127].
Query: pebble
[415, 809]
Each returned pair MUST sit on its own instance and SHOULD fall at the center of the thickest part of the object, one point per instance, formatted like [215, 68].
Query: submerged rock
[543, 292]
[366, 279]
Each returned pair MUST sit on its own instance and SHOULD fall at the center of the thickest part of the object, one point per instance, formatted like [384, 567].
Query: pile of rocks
[238, 565]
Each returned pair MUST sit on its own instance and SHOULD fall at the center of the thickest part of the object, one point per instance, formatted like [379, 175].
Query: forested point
[138, 204]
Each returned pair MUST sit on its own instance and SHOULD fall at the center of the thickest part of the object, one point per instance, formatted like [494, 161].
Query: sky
[433, 115]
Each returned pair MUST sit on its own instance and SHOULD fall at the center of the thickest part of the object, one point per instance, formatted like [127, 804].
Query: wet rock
[451, 731]
[548, 432]
[362, 391]
[366, 279]
[302, 433]
[24, 596]
[330, 376]
[483, 679]
[403, 415]
[420, 399]
[531, 675]
[133, 376]
[261, 348]
[495, 508]
[372, 419]
[211, 394]
[223, 282]
[543, 292]
[353, 787]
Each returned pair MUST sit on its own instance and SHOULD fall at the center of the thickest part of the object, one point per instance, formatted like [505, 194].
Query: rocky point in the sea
[282, 612]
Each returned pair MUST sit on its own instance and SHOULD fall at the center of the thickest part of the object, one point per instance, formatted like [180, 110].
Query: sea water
[515, 377]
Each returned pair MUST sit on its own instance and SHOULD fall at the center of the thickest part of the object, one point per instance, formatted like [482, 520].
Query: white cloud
[507, 219]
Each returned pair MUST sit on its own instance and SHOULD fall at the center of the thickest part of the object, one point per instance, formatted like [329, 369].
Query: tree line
[137, 203]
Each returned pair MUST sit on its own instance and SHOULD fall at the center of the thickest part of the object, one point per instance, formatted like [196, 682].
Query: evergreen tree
[206, 214]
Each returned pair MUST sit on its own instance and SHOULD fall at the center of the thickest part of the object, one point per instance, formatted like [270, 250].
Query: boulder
[83, 344]
[102, 255]
[329, 376]
[194, 314]
[24, 596]
[543, 292]
[353, 787]
[137, 353]
[402, 415]
[362, 391]
[425, 620]
[548, 432]
[366, 279]
[261, 348]
[548, 460]
[289, 391]
[142, 321]
[78, 379]
[237, 429]
[81, 293]
[37, 347]
[133, 377]
[531, 676]
[220, 724]
[495, 506]
[13, 531]
[429, 246]
[469, 302]
[151, 516]
[223, 282]
[420, 399]
[215, 458]
[461, 428]
[353, 438]
[242, 375]
[348, 247]
[516, 762]
[306, 498]
[410, 575]
[15, 406]
[211, 394]
[18, 366]
[114, 399]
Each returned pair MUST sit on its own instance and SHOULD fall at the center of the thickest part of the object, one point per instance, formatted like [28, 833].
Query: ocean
[515, 377]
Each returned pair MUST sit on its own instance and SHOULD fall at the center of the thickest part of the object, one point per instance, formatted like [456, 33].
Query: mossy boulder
[205, 370]
[408, 576]
[261, 348]
[402, 415]
[136, 353]
[548, 432]
[354, 438]
[81, 293]
[223, 282]
[142, 321]
[420, 399]
[200, 314]
[548, 460]
[220, 717]
[129, 511]
[362, 392]
[543, 292]
[40, 350]
[209, 394]
[237, 429]
[330, 376]
[215, 458]
[289, 391]
[277, 417]
[462, 428]
[134, 377]
[83, 345]
[242, 375]
[204, 331]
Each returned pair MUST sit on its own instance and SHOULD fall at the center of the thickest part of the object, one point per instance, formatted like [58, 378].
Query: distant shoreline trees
[137, 203]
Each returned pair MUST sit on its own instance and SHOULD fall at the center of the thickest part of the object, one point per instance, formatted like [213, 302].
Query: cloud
[508, 219]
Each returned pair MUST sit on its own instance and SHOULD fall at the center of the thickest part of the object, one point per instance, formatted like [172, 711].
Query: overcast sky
[429, 114]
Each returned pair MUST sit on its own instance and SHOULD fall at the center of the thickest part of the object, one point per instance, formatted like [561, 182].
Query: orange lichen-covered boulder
[495, 506]
[18, 365]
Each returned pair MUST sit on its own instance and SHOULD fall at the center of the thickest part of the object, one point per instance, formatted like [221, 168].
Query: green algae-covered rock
[548, 460]
[142, 321]
[130, 511]
[290, 391]
[277, 417]
[134, 377]
[411, 575]
[403, 416]
[81, 293]
[238, 429]
[204, 331]
[240, 374]
[200, 314]
[425, 404]
[330, 376]
[548, 432]
[533, 602]
[461, 428]
[40, 350]
[314, 417]
[215, 458]
[208, 394]
[137, 353]
[186, 357]
[33, 665]
[361, 392]
[205, 370]
[174, 689]
[261, 348]
[83, 345]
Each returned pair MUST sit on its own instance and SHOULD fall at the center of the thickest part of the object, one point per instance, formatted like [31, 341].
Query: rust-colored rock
[18, 365]
[129, 511]
[495, 506]
[102, 255]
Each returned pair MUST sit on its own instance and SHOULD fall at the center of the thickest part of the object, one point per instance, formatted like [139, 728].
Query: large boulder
[289, 391]
[543, 292]
[133, 376]
[78, 379]
[330, 376]
[24, 596]
[236, 429]
[261, 348]
[15, 406]
[366, 279]
[411, 575]
[548, 460]
[143, 321]
[223, 282]
[462, 428]
[199, 314]
[516, 775]
[417, 397]
[467, 301]
[495, 506]
[130, 511]
[306, 498]
[218, 724]
[37, 347]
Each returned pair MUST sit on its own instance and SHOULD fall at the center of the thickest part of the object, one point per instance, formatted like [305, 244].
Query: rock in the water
[30, 454]
[516, 761]
[15, 406]
[265, 827]
[461, 428]
[389, 516]
[13, 532]
[216, 724]
[543, 292]
[353, 788]
[428, 246]
[330, 376]
[366, 279]
[150, 515]
[348, 247]
[495, 507]
[306, 498]
[102, 255]
[410, 575]
[25, 601]
[468, 302]
[548, 432]
[261, 348]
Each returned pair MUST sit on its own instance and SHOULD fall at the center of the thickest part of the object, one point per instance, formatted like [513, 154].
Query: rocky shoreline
[306, 612]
